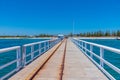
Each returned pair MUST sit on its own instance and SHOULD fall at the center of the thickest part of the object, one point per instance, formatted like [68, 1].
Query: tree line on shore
[44, 35]
[25, 36]
[98, 34]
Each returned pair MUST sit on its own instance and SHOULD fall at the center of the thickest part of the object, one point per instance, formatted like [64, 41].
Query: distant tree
[70, 34]
[118, 33]
[114, 33]
[81, 34]
[77, 35]
[107, 33]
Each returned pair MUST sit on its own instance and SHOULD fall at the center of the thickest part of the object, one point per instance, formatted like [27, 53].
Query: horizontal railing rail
[17, 60]
[28, 51]
[83, 47]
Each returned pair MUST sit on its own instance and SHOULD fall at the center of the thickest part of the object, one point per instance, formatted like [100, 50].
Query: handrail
[30, 44]
[9, 49]
[83, 47]
[102, 46]
[17, 60]
[21, 56]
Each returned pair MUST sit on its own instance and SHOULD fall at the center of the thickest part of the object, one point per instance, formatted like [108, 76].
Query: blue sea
[5, 43]
[11, 55]
[111, 57]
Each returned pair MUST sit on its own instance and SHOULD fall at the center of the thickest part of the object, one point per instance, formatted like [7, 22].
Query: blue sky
[31, 17]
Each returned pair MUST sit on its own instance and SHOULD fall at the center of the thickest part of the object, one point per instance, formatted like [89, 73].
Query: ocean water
[11, 55]
[4, 43]
[111, 57]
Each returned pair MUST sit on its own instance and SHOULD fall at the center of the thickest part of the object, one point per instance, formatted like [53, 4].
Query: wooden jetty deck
[62, 62]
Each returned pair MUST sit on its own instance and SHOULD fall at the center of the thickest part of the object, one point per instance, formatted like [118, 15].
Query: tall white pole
[73, 27]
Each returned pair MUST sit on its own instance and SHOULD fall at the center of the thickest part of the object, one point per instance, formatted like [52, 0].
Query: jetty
[59, 59]
[64, 61]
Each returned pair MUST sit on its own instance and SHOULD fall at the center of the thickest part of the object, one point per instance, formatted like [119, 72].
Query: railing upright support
[44, 46]
[40, 49]
[19, 61]
[23, 56]
[85, 48]
[91, 50]
[79, 45]
[32, 52]
[82, 45]
[48, 45]
[101, 56]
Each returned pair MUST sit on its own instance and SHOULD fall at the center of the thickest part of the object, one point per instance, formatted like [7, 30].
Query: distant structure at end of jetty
[61, 36]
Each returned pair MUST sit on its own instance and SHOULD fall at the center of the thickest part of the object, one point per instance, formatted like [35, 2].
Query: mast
[73, 26]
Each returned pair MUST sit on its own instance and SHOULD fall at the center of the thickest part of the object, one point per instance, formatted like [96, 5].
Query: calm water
[111, 57]
[11, 55]
[4, 43]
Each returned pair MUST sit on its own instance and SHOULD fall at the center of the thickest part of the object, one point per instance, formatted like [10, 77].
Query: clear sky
[56, 16]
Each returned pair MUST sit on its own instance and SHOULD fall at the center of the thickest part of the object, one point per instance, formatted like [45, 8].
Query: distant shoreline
[55, 37]
[96, 37]
[25, 38]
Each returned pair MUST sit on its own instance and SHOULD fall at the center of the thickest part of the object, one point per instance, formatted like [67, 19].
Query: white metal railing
[43, 46]
[83, 47]
[21, 56]
[17, 60]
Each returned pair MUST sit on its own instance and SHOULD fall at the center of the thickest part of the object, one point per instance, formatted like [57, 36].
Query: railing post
[91, 50]
[82, 45]
[44, 46]
[51, 43]
[23, 56]
[18, 59]
[55, 42]
[48, 45]
[85, 48]
[102, 57]
[79, 44]
[32, 52]
[39, 48]
[75, 41]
